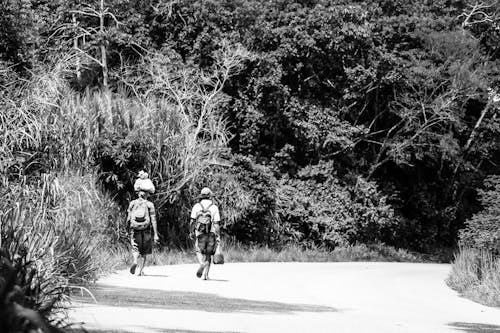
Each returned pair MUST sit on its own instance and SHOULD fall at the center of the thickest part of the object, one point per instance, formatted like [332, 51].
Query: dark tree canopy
[367, 120]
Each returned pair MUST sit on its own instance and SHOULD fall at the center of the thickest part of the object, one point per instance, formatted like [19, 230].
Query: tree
[100, 34]
[194, 95]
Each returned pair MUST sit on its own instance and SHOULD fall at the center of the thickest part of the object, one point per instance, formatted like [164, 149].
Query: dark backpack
[204, 219]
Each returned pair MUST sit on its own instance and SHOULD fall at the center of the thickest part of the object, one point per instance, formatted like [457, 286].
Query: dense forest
[317, 123]
[326, 122]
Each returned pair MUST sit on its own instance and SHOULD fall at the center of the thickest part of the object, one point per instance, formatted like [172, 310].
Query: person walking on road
[205, 229]
[141, 218]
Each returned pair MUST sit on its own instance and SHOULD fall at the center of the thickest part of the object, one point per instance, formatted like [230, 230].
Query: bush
[52, 236]
[315, 207]
[476, 274]
[79, 218]
[30, 274]
[118, 157]
[256, 220]
[482, 231]
[16, 298]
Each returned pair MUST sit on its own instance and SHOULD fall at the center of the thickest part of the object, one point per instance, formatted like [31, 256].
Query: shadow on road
[475, 327]
[184, 300]
[155, 330]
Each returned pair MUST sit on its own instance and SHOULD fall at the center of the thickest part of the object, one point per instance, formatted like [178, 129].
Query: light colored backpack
[140, 219]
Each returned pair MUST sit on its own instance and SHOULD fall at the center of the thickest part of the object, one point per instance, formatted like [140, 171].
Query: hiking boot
[132, 268]
[199, 272]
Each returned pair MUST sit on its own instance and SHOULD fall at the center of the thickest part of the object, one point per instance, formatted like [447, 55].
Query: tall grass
[169, 123]
[297, 253]
[476, 274]
[25, 296]
[29, 245]
[120, 258]
[52, 232]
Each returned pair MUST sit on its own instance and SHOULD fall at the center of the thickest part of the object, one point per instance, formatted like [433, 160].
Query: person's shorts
[205, 243]
[141, 241]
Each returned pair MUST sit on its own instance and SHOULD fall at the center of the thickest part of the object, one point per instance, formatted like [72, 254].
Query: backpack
[139, 216]
[204, 219]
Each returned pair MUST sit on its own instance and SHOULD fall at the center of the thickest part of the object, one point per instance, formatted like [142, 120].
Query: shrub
[476, 274]
[77, 216]
[482, 231]
[316, 207]
[244, 192]
[230, 194]
[52, 237]
[30, 275]
[118, 156]
[16, 311]
[256, 218]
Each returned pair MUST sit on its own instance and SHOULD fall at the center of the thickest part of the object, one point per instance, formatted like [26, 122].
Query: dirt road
[285, 297]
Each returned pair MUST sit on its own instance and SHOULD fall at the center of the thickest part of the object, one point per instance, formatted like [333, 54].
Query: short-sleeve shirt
[207, 204]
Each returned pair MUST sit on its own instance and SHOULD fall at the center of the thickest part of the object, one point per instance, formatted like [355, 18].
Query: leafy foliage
[379, 110]
[482, 231]
[20, 296]
[256, 223]
[317, 208]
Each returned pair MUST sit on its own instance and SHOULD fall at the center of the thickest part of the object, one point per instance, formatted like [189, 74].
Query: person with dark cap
[141, 218]
[205, 229]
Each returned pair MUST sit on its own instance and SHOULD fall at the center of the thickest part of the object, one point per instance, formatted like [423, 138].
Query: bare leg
[141, 267]
[201, 260]
[135, 255]
[208, 260]
[200, 257]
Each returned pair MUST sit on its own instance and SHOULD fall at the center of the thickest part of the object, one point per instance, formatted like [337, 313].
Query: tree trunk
[104, 63]
[75, 46]
[478, 123]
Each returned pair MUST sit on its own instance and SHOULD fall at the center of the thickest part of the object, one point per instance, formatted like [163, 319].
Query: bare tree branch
[476, 14]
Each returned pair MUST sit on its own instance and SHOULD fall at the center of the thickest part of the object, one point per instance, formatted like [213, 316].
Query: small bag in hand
[218, 256]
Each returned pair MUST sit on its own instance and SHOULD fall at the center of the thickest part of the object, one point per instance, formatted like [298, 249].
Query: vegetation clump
[476, 268]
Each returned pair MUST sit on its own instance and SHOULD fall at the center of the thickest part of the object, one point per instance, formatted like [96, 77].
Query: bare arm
[217, 221]
[192, 226]
[192, 222]
[217, 230]
[129, 210]
[152, 216]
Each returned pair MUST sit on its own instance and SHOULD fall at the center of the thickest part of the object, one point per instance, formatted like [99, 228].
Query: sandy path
[285, 297]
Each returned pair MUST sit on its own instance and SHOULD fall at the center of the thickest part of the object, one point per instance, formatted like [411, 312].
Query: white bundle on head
[143, 183]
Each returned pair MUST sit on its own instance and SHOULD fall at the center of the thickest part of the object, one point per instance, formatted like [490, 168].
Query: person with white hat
[205, 229]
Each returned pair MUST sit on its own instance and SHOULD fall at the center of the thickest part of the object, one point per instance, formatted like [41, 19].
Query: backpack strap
[208, 207]
[145, 202]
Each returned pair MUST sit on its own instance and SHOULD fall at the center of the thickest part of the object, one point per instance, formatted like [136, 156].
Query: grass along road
[279, 297]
